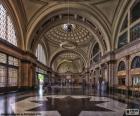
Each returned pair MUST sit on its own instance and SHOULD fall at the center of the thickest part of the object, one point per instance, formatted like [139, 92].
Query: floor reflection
[66, 102]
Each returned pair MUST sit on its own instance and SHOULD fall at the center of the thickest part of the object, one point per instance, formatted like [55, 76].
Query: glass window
[122, 40]
[135, 32]
[3, 76]
[121, 66]
[2, 22]
[13, 76]
[7, 31]
[96, 55]
[11, 36]
[135, 12]
[3, 58]
[8, 70]
[125, 23]
[13, 61]
[136, 62]
[96, 49]
[40, 54]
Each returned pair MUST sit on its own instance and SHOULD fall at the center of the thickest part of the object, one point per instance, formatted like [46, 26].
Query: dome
[69, 32]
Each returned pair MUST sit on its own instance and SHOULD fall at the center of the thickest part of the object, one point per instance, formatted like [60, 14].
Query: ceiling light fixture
[68, 27]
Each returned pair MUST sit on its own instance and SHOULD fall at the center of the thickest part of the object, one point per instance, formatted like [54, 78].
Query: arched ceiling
[93, 21]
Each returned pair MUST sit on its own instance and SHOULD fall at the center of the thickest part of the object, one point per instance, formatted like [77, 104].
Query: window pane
[7, 31]
[96, 49]
[16, 62]
[136, 62]
[10, 60]
[13, 61]
[135, 12]
[125, 23]
[2, 22]
[40, 54]
[11, 32]
[121, 66]
[96, 54]
[122, 40]
[13, 76]
[3, 76]
[135, 33]
[2, 58]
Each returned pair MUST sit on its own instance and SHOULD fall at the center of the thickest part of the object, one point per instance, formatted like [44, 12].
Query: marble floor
[45, 104]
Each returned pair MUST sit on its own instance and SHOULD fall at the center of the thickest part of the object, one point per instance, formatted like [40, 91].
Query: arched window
[96, 49]
[96, 54]
[125, 23]
[122, 40]
[135, 12]
[135, 62]
[7, 31]
[121, 66]
[40, 54]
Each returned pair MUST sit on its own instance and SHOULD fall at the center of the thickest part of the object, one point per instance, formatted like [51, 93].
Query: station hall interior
[70, 57]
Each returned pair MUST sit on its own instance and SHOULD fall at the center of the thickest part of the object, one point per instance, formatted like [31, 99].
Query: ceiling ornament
[68, 45]
[68, 27]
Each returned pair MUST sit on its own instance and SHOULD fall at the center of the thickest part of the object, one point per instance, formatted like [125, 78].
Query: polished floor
[65, 102]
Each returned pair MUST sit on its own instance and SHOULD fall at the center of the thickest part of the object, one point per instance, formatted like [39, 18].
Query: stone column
[111, 73]
[27, 74]
[128, 77]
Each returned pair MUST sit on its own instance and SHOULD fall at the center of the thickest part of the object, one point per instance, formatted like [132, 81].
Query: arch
[49, 11]
[121, 66]
[69, 67]
[14, 16]
[120, 17]
[135, 62]
[58, 52]
[45, 46]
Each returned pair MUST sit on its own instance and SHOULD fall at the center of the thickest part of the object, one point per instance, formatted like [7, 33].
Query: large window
[125, 23]
[135, 12]
[8, 70]
[12, 76]
[132, 26]
[7, 31]
[135, 62]
[122, 40]
[40, 54]
[121, 66]
[96, 54]
[135, 32]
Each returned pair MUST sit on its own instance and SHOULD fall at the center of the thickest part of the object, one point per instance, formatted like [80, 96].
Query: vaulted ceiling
[92, 21]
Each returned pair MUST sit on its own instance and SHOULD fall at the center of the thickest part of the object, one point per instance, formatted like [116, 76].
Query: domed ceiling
[77, 34]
